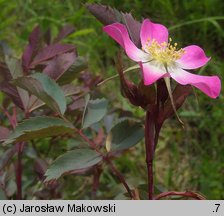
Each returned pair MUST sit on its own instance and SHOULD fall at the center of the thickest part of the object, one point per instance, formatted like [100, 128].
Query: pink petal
[153, 31]
[210, 85]
[193, 58]
[152, 72]
[120, 34]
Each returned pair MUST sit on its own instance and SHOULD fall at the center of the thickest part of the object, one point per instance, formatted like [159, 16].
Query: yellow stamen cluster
[165, 53]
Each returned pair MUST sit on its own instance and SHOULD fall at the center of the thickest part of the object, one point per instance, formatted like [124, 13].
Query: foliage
[192, 158]
[26, 93]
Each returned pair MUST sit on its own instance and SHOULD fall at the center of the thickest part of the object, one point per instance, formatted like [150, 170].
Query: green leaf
[79, 65]
[39, 127]
[44, 88]
[124, 135]
[68, 89]
[94, 111]
[72, 161]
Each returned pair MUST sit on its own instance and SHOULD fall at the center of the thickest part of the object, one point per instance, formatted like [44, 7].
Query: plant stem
[85, 138]
[19, 169]
[110, 163]
[120, 177]
[96, 180]
[188, 194]
[150, 180]
[19, 166]
[149, 148]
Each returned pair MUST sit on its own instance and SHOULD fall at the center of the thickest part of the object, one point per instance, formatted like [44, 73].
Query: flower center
[165, 53]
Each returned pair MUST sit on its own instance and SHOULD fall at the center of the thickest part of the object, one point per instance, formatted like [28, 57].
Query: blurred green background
[190, 159]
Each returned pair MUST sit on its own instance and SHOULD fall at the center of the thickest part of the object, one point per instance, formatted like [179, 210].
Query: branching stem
[108, 160]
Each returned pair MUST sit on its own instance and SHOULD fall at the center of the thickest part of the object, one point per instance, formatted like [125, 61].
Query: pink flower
[158, 58]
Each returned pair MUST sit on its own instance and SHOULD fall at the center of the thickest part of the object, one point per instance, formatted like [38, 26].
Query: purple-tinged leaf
[4, 132]
[51, 51]
[45, 89]
[80, 103]
[40, 167]
[137, 95]
[89, 79]
[59, 64]
[12, 92]
[31, 49]
[107, 15]
[6, 87]
[7, 156]
[34, 103]
[15, 68]
[133, 27]
[80, 171]
[5, 75]
[64, 32]
[79, 65]
[68, 90]
[104, 14]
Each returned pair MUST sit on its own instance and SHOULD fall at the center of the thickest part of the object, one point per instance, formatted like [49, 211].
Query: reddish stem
[19, 166]
[149, 148]
[19, 170]
[14, 117]
[120, 177]
[113, 168]
[96, 180]
[184, 194]
[8, 116]
[90, 142]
